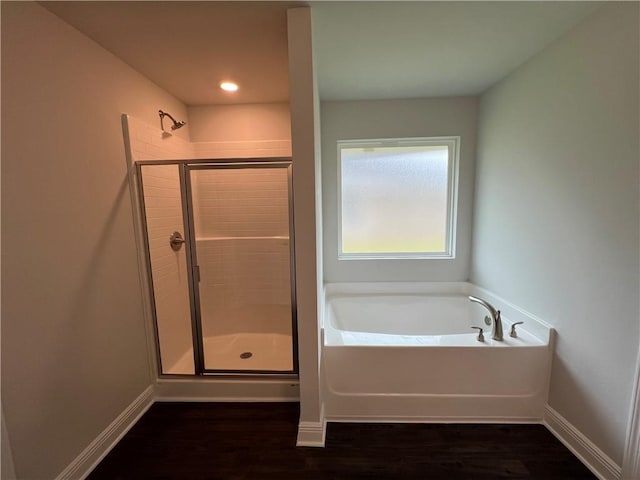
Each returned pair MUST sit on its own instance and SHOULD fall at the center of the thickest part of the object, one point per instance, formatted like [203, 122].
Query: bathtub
[406, 352]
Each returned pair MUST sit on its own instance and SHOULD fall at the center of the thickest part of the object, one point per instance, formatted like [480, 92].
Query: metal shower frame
[185, 166]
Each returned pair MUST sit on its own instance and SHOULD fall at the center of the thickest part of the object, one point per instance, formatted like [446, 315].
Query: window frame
[453, 145]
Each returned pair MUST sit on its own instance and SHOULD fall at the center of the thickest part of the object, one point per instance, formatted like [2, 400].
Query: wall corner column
[304, 130]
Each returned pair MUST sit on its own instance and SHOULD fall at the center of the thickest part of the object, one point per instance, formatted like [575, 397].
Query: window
[397, 197]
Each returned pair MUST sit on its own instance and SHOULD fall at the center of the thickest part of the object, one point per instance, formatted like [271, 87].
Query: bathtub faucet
[496, 331]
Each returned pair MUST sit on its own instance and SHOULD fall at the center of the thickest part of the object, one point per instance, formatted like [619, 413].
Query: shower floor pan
[242, 351]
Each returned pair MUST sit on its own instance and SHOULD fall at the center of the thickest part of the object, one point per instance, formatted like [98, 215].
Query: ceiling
[371, 50]
[188, 48]
[364, 50]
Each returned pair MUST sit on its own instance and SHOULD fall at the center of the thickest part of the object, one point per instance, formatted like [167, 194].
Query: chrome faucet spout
[496, 321]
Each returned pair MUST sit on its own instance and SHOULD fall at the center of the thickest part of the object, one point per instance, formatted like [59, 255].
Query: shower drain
[245, 355]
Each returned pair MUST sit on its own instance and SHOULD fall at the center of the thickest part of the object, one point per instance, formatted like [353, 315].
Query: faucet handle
[480, 334]
[513, 333]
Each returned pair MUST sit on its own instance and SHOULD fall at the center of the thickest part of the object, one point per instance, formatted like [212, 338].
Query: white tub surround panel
[532, 323]
[412, 356]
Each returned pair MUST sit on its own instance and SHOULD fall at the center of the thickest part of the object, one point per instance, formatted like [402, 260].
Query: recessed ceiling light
[229, 86]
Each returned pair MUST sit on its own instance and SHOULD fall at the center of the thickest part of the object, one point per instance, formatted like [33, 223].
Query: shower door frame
[193, 265]
[184, 167]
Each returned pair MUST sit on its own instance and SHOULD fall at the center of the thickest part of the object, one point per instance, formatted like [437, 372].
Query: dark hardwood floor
[194, 441]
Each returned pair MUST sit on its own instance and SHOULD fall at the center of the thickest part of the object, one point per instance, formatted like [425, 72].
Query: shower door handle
[176, 241]
[196, 271]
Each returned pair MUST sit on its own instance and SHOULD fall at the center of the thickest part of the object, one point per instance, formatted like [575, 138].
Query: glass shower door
[240, 242]
[162, 202]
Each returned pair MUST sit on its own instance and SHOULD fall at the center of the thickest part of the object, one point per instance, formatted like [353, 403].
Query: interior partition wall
[220, 259]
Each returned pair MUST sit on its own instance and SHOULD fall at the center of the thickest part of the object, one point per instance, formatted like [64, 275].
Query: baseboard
[312, 434]
[7, 469]
[594, 459]
[98, 449]
[167, 390]
[631, 463]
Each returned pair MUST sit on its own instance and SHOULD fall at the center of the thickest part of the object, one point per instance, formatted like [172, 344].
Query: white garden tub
[406, 352]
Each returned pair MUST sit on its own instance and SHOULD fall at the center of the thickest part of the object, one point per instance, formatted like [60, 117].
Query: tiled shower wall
[230, 271]
[163, 207]
[164, 216]
[242, 233]
[241, 202]
[245, 286]
[148, 142]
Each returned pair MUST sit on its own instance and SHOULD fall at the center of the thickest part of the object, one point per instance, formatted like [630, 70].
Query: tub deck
[414, 357]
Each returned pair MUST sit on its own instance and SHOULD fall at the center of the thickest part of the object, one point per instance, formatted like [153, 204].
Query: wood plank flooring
[241, 441]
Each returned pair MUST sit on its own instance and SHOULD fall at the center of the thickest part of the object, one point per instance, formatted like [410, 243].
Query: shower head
[176, 124]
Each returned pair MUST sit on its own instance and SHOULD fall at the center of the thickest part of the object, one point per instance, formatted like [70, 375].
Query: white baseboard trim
[312, 434]
[7, 468]
[631, 462]
[269, 390]
[594, 459]
[102, 445]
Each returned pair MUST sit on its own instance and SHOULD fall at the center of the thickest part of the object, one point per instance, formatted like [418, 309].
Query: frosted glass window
[397, 198]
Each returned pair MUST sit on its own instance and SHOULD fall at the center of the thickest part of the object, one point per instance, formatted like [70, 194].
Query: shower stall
[220, 261]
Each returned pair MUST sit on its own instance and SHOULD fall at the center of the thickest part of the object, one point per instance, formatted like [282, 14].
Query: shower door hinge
[196, 273]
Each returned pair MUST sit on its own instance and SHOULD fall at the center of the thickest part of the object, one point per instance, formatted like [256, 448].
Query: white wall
[241, 131]
[74, 352]
[556, 222]
[303, 134]
[398, 119]
[237, 123]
